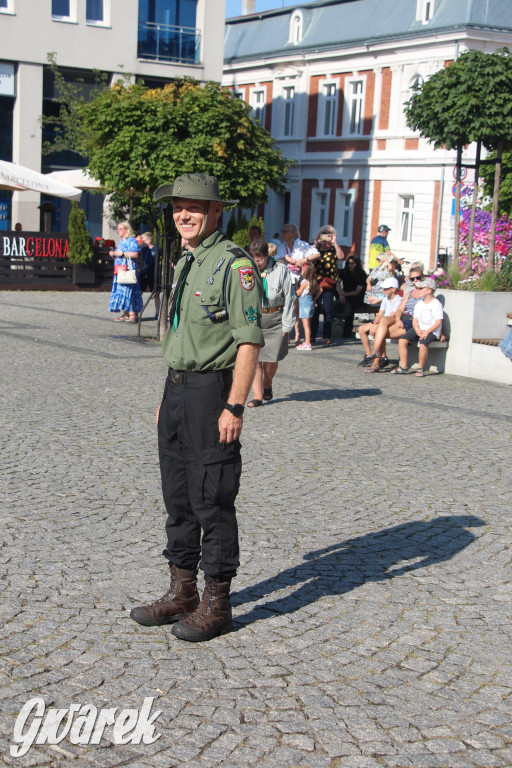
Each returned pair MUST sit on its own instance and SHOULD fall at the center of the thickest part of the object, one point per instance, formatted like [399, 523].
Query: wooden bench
[493, 342]
[432, 345]
[488, 342]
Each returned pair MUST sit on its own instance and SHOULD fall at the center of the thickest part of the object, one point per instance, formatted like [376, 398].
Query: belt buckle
[176, 377]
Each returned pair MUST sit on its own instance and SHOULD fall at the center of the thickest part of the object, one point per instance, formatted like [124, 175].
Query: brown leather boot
[211, 619]
[180, 600]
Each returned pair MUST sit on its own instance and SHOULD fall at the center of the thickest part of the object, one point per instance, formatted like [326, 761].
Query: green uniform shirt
[200, 343]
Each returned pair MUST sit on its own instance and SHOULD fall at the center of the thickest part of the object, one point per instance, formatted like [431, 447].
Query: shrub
[80, 249]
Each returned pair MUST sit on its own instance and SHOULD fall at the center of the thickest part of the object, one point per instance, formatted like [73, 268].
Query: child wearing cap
[388, 307]
[426, 326]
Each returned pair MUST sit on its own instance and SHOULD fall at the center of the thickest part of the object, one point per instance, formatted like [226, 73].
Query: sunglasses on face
[416, 278]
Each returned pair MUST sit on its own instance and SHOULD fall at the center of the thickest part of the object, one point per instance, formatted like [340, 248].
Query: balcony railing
[163, 42]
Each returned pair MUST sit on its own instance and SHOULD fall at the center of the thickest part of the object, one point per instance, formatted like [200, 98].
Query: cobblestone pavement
[373, 602]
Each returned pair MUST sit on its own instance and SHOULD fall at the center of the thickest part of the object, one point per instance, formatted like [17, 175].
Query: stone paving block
[372, 617]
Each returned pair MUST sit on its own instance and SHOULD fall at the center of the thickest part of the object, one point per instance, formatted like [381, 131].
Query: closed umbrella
[76, 177]
[18, 179]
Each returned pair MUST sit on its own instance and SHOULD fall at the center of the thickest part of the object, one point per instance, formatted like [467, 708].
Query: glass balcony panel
[164, 42]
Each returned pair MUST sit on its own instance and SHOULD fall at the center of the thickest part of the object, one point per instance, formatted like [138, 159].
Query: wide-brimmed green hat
[192, 186]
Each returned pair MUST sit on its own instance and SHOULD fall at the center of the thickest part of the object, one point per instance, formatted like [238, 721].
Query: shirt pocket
[206, 304]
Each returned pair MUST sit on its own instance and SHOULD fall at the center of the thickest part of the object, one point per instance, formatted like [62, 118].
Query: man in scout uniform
[211, 348]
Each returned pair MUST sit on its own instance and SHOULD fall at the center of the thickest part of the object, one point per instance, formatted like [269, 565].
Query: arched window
[296, 26]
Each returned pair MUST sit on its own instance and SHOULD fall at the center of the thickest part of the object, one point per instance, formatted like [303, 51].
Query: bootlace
[171, 592]
[205, 607]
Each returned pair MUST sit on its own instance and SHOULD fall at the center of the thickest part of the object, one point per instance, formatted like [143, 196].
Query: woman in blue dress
[125, 298]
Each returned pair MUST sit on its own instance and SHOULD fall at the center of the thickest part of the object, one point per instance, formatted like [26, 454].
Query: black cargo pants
[200, 475]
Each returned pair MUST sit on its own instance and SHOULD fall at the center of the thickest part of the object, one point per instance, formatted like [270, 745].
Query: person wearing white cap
[427, 322]
[388, 307]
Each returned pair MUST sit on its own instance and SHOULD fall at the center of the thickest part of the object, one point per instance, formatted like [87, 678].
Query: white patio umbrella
[18, 178]
[77, 177]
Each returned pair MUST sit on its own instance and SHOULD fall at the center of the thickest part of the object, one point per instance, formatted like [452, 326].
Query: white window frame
[406, 218]
[425, 10]
[296, 28]
[356, 107]
[258, 109]
[106, 16]
[405, 95]
[320, 202]
[289, 98]
[327, 108]
[344, 215]
[9, 8]
[71, 19]
[416, 78]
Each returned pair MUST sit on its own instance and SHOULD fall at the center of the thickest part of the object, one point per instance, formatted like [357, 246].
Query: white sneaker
[304, 347]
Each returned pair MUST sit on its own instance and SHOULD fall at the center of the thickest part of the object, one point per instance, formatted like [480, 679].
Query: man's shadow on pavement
[376, 556]
[327, 394]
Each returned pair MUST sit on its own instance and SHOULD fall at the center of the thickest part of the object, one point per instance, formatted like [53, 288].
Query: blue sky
[234, 7]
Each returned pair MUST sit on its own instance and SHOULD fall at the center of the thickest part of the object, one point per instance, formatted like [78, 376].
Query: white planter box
[470, 315]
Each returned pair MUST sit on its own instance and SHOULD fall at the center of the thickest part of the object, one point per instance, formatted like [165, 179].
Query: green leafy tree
[136, 139]
[241, 234]
[489, 173]
[258, 222]
[231, 226]
[470, 100]
[80, 249]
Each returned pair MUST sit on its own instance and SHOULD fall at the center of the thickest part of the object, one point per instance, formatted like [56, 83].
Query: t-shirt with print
[300, 250]
[427, 315]
[388, 306]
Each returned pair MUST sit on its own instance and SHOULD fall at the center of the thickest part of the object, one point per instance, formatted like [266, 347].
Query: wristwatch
[236, 409]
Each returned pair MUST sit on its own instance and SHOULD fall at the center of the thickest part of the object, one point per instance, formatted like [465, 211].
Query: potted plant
[80, 248]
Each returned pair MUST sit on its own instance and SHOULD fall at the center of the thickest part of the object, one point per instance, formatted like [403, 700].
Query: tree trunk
[170, 237]
[495, 199]
[473, 207]
[164, 309]
[456, 248]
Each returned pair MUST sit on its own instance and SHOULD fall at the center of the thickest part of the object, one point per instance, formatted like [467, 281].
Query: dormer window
[425, 11]
[296, 26]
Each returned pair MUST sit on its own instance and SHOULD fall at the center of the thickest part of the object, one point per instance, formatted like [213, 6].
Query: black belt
[182, 377]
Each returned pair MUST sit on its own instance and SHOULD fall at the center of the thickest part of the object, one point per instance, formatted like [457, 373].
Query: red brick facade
[385, 99]
[377, 188]
[433, 226]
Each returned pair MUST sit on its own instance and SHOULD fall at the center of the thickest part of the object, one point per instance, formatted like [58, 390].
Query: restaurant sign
[7, 79]
[39, 245]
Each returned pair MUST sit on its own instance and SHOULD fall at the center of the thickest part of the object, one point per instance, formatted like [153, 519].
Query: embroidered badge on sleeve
[251, 314]
[241, 262]
[247, 278]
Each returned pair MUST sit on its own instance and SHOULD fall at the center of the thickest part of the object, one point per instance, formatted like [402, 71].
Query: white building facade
[152, 40]
[329, 81]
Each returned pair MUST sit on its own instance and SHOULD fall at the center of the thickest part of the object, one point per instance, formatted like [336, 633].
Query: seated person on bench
[426, 326]
[388, 307]
[395, 326]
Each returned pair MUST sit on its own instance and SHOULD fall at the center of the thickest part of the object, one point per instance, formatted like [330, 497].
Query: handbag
[328, 283]
[127, 276]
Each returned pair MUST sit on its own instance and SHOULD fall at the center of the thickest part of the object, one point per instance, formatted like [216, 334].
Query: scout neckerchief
[173, 312]
[270, 263]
